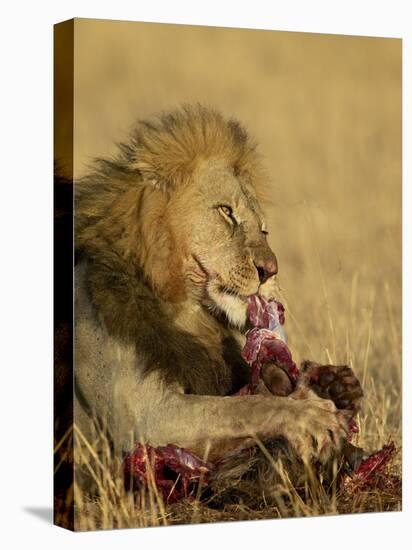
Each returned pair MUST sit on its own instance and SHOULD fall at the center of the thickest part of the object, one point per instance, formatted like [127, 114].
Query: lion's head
[181, 202]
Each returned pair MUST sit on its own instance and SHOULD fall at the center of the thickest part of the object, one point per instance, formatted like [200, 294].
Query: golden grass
[380, 420]
[111, 504]
[327, 113]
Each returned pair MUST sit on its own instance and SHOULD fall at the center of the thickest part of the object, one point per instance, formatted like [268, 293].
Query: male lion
[170, 241]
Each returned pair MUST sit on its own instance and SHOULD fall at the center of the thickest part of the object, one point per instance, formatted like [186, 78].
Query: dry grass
[269, 492]
[327, 112]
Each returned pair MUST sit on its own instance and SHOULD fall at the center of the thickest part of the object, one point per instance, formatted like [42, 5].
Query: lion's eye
[227, 212]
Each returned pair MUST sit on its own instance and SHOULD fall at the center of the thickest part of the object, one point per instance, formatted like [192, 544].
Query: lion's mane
[133, 261]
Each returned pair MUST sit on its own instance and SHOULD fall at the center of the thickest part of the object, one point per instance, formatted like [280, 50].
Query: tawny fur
[161, 281]
[117, 207]
[123, 216]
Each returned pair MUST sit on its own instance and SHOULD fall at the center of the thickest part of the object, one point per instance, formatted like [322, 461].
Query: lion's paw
[276, 380]
[337, 383]
[318, 430]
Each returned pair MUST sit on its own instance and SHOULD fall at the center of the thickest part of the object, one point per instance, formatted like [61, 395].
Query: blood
[173, 470]
[266, 342]
[176, 471]
[372, 473]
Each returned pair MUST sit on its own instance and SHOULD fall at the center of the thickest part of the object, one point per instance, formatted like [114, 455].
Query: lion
[170, 240]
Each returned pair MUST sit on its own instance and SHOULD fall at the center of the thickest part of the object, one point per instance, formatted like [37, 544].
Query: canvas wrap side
[63, 274]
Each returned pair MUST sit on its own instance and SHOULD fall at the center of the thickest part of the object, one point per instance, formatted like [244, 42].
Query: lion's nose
[266, 269]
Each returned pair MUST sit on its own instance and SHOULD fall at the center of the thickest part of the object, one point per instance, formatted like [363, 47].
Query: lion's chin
[232, 305]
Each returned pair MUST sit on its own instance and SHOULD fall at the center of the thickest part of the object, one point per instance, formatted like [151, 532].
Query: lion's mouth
[228, 302]
[222, 299]
[224, 289]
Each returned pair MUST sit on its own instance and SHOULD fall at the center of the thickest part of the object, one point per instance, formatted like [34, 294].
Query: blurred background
[326, 111]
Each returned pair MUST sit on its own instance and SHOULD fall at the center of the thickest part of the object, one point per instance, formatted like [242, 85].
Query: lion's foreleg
[215, 426]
